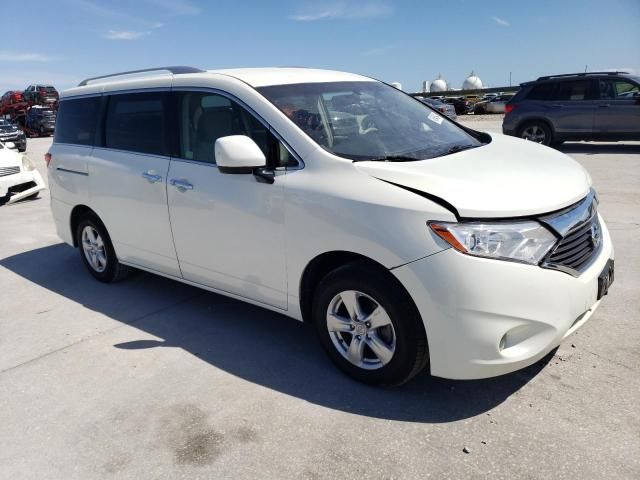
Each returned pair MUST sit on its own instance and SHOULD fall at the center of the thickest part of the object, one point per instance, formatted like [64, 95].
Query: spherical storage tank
[439, 85]
[472, 82]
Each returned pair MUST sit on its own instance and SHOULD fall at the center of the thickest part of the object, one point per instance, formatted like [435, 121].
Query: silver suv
[601, 106]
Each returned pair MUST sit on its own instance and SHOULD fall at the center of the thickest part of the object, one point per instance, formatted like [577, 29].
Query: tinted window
[76, 121]
[205, 117]
[544, 91]
[137, 122]
[574, 90]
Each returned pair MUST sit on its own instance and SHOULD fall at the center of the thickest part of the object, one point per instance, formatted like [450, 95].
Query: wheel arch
[325, 263]
[78, 213]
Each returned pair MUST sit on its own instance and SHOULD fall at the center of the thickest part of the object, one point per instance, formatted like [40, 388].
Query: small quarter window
[76, 121]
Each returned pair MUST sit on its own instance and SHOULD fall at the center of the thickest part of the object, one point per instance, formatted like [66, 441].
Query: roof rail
[580, 74]
[174, 70]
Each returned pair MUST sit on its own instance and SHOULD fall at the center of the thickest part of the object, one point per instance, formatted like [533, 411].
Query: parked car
[489, 96]
[460, 104]
[445, 108]
[497, 104]
[9, 132]
[41, 94]
[581, 106]
[41, 120]
[19, 178]
[407, 241]
[10, 98]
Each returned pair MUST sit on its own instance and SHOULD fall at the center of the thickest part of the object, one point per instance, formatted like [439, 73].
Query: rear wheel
[369, 326]
[96, 251]
[537, 132]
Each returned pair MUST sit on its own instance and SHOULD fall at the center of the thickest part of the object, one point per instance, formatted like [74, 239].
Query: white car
[19, 178]
[408, 241]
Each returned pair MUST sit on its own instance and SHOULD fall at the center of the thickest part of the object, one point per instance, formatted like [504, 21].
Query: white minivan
[407, 240]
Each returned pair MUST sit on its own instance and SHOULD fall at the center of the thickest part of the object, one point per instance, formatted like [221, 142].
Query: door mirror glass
[238, 154]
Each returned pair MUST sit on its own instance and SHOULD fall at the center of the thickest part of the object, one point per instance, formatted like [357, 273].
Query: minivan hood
[508, 177]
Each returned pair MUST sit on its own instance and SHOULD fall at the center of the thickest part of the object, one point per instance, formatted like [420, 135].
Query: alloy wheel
[534, 133]
[94, 249]
[361, 330]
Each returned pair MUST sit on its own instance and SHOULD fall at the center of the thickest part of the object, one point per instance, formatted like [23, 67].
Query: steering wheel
[367, 125]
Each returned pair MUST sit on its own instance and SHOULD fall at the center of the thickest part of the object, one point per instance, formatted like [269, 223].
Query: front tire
[96, 251]
[369, 326]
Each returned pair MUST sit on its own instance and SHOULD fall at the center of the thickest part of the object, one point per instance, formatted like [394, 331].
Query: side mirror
[238, 154]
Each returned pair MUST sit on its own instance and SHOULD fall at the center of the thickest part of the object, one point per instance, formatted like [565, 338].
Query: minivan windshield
[368, 120]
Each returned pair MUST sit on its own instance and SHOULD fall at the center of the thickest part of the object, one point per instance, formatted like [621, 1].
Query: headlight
[27, 164]
[526, 242]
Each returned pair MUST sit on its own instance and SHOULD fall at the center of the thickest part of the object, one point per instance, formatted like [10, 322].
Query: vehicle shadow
[254, 344]
[599, 148]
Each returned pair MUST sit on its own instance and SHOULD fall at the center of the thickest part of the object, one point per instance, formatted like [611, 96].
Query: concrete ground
[150, 378]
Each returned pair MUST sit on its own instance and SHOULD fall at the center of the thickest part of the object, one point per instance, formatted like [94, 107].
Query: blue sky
[63, 41]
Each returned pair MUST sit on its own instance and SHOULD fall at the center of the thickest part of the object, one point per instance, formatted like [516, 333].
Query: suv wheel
[537, 132]
[96, 251]
[369, 325]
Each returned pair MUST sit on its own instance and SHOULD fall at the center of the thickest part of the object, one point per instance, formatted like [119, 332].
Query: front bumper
[21, 185]
[485, 317]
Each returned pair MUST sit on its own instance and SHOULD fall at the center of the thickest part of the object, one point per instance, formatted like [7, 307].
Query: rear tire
[385, 348]
[537, 132]
[96, 251]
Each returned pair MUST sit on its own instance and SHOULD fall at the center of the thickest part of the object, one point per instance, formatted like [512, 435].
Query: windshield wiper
[389, 158]
[459, 148]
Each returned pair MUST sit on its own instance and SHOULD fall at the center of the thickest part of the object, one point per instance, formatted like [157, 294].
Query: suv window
[543, 91]
[205, 117]
[137, 122]
[574, 90]
[617, 89]
[76, 121]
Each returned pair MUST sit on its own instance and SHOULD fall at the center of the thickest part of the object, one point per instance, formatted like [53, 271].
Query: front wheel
[96, 251]
[369, 326]
[537, 132]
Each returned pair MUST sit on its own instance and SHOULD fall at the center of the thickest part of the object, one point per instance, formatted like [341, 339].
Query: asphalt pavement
[150, 378]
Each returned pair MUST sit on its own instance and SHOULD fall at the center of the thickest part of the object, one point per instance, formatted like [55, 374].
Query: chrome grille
[581, 240]
[4, 171]
[575, 250]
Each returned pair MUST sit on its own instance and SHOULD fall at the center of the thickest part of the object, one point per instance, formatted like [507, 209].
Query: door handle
[604, 105]
[151, 177]
[557, 106]
[181, 185]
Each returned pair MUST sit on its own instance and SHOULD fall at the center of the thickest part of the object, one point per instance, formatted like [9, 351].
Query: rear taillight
[509, 107]
[47, 159]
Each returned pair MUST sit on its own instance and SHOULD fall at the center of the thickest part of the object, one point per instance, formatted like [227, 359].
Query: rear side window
[575, 90]
[544, 91]
[76, 121]
[137, 122]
